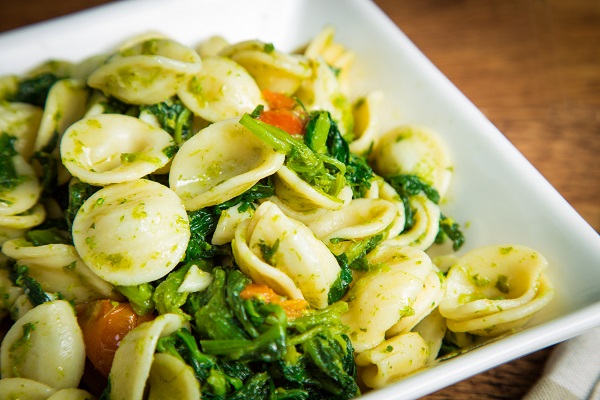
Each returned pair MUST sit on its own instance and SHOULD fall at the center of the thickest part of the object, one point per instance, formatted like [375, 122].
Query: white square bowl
[495, 190]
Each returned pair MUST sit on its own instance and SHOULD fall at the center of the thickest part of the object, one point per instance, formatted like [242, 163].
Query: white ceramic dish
[502, 197]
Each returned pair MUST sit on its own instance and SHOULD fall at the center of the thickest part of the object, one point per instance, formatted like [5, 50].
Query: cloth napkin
[572, 371]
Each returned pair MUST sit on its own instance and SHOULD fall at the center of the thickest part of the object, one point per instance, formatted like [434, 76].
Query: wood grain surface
[531, 66]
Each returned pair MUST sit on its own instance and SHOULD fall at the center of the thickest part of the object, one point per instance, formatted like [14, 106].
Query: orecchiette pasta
[112, 230]
[380, 189]
[45, 345]
[425, 227]
[27, 219]
[299, 195]
[65, 105]
[366, 122]
[413, 150]
[380, 298]
[223, 89]
[111, 148]
[334, 53]
[271, 69]
[25, 195]
[362, 218]
[491, 286]
[392, 359]
[59, 269]
[324, 92]
[220, 162]
[129, 381]
[300, 266]
[228, 219]
[23, 388]
[22, 121]
[147, 72]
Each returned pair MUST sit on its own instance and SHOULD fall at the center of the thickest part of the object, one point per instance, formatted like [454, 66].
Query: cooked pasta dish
[227, 221]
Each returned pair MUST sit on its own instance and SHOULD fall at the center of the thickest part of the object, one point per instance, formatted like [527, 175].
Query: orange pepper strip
[278, 101]
[293, 308]
[286, 120]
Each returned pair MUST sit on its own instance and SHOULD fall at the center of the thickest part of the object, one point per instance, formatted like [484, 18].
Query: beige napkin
[572, 371]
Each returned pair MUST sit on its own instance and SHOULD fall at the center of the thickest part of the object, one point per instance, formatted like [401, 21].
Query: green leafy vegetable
[174, 117]
[48, 163]
[140, 297]
[79, 192]
[166, 296]
[450, 229]
[35, 90]
[257, 345]
[411, 185]
[41, 237]
[9, 179]
[203, 223]
[358, 175]
[322, 172]
[31, 287]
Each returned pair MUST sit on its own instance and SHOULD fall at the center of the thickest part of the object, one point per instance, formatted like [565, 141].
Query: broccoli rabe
[31, 287]
[319, 170]
[411, 185]
[174, 117]
[257, 353]
[79, 192]
[203, 222]
[48, 164]
[140, 297]
[35, 90]
[9, 179]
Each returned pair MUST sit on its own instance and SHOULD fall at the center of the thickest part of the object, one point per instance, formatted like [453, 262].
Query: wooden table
[532, 67]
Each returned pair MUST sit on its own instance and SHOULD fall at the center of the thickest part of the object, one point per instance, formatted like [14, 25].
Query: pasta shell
[53, 353]
[324, 92]
[414, 150]
[113, 148]
[25, 220]
[23, 388]
[334, 53]
[491, 279]
[392, 359]
[426, 224]
[229, 220]
[221, 90]
[128, 379]
[271, 69]
[299, 195]
[22, 121]
[432, 329]
[306, 217]
[26, 194]
[170, 377]
[427, 300]
[148, 72]
[72, 394]
[59, 269]
[212, 46]
[9, 84]
[65, 104]
[131, 233]
[220, 162]
[299, 266]
[383, 190]
[361, 218]
[379, 298]
[367, 125]
[507, 320]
